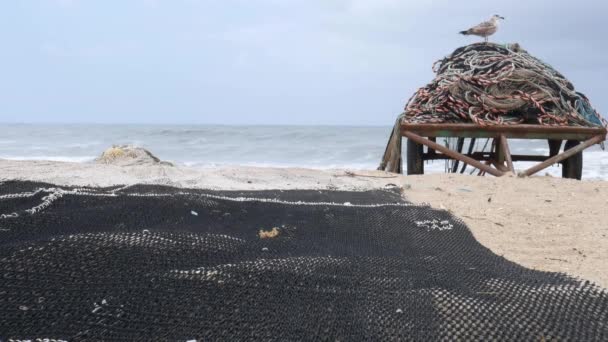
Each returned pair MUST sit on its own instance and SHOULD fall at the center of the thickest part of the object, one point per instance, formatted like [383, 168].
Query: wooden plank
[564, 155]
[509, 128]
[510, 131]
[453, 154]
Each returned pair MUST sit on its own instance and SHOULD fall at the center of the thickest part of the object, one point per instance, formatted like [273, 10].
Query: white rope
[21, 195]
[57, 193]
[46, 202]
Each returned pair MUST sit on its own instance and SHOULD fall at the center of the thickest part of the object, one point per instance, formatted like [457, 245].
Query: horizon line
[195, 124]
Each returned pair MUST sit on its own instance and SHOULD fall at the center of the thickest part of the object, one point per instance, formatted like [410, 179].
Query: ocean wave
[321, 148]
[212, 165]
[84, 145]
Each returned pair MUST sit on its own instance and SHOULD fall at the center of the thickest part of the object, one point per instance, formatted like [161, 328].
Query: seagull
[485, 29]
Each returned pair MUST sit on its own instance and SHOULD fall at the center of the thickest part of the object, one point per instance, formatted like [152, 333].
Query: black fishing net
[154, 263]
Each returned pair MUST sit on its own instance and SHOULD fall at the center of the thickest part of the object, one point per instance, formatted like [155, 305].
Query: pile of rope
[491, 84]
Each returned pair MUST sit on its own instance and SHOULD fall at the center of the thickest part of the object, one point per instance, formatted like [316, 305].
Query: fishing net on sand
[154, 263]
[490, 84]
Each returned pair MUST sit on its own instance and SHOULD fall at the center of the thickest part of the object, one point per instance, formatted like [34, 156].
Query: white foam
[70, 159]
[329, 166]
[218, 147]
[84, 145]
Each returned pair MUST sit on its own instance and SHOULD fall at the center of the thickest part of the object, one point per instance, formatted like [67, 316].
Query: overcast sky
[265, 61]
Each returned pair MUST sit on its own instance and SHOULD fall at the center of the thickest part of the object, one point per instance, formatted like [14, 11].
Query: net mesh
[151, 262]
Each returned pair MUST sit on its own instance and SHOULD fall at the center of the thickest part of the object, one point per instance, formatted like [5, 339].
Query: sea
[214, 146]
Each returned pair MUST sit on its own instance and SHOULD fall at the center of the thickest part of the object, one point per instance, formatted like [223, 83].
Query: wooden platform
[500, 161]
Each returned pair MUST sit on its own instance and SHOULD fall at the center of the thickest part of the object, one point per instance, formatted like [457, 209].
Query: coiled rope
[490, 84]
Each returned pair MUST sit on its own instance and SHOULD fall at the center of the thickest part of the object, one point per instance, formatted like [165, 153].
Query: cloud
[347, 54]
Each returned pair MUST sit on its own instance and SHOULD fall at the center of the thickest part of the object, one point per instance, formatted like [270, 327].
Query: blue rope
[586, 111]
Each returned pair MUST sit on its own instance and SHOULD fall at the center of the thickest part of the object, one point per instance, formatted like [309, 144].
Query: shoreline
[543, 223]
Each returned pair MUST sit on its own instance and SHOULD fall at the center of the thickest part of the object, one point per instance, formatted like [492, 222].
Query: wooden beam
[504, 145]
[510, 131]
[455, 155]
[489, 156]
[506, 128]
[564, 155]
[481, 172]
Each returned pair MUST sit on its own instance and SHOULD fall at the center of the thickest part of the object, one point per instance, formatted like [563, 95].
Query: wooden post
[499, 158]
[554, 146]
[450, 153]
[504, 145]
[500, 166]
[431, 152]
[564, 155]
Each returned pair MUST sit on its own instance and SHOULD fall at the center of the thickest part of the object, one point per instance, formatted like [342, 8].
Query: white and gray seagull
[485, 29]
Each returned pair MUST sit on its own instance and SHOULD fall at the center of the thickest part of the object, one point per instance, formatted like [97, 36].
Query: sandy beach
[230, 171]
[542, 223]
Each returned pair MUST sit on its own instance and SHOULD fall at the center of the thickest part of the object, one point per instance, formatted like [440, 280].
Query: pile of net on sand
[490, 84]
[128, 155]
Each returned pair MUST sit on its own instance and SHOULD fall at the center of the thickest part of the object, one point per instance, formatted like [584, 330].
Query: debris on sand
[270, 234]
[128, 155]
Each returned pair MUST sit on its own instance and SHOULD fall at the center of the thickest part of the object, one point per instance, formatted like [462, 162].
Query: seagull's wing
[486, 24]
[485, 28]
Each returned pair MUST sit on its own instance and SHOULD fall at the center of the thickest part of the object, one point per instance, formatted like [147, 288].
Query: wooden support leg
[496, 150]
[431, 152]
[455, 155]
[554, 147]
[499, 166]
[471, 147]
[506, 152]
[499, 157]
[391, 161]
[482, 172]
[564, 155]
